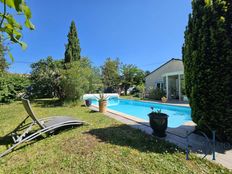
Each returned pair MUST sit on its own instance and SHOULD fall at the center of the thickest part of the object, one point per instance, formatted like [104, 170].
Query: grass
[102, 146]
[130, 97]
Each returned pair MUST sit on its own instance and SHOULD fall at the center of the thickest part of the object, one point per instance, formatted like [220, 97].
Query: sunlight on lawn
[102, 146]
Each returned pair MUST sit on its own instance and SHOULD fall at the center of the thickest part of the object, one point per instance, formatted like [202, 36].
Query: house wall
[172, 66]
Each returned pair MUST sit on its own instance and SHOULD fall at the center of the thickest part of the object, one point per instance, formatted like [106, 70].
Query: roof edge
[163, 65]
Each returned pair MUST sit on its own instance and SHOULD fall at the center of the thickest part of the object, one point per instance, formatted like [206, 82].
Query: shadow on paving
[124, 135]
[202, 144]
[199, 141]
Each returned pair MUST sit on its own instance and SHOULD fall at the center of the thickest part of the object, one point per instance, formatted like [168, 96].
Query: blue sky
[145, 33]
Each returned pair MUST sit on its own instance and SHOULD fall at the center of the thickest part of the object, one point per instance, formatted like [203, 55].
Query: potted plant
[158, 122]
[102, 101]
[88, 102]
[164, 99]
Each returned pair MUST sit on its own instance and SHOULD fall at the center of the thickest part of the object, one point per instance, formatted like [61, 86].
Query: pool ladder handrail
[211, 145]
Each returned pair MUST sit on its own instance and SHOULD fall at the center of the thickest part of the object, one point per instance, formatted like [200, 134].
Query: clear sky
[145, 33]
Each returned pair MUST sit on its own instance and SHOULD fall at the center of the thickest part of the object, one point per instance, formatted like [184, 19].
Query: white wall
[172, 66]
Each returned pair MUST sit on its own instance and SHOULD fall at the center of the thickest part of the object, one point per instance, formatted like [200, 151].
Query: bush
[54, 78]
[79, 79]
[45, 78]
[135, 91]
[156, 94]
[141, 91]
[11, 85]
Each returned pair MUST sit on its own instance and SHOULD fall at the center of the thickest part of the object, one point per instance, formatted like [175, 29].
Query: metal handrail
[211, 145]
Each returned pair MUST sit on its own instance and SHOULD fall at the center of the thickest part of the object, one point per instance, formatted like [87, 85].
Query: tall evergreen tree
[207, 57]
[73, 50]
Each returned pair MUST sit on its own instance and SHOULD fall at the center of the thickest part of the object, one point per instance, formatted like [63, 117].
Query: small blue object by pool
[178, 115]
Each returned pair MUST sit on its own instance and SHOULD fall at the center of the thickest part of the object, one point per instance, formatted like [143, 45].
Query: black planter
[159, 123]
[88, 103]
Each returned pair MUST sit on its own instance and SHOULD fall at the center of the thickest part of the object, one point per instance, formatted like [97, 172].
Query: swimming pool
[177, 114]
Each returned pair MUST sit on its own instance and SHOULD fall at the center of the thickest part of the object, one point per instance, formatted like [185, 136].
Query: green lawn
[102, 146]
[130, 97]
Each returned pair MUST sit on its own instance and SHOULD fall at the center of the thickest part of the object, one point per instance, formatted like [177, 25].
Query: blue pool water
[177, 114]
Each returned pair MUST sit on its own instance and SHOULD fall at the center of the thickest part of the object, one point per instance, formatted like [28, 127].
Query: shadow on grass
[93, 112]
[124, 135]
[47, 102]
[8, 141]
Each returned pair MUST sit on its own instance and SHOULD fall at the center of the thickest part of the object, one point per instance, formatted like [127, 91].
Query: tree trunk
[125, 90]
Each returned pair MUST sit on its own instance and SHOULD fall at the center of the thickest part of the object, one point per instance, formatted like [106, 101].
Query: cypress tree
[207, 58]
[73, 50]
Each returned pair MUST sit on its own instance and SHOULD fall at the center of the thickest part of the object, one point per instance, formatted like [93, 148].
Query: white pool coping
[156, 102]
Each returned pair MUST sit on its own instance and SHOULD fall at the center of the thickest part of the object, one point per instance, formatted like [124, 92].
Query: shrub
[45, 78]
[11, 85]
[69, 81]
[141, 90]
[156, 94]
[79, 79]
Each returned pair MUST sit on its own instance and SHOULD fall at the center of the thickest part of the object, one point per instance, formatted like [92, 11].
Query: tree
[45, 78]
[131, 76]
[49, 79]
[147, 73]
[11, 85]
[95, 80]
[79, 79]
[3, 63]
[73, 50]
[10, 28]
[207, 57]
[110, 75]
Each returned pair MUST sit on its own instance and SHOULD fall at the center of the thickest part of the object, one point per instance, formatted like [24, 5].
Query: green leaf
[11, 56]
[9, 3]
[23, 45]
[29, 25]
[10, 19]
[17, 34]
[15, 4]
[18, 4]
[26, 10]
[10, 26]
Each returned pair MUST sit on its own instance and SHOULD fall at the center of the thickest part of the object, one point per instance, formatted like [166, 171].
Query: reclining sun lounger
[46, 125]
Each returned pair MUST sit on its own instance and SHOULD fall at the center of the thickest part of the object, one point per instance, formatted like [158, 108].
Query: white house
[169, 77]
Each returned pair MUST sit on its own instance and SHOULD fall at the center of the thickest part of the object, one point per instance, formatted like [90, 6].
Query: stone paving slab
[170, 102]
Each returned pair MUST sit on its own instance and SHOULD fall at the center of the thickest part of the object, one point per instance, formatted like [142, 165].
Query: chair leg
[35, 135]
[8, 150]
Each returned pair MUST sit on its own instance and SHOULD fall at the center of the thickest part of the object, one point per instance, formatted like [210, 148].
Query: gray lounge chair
[47, 126]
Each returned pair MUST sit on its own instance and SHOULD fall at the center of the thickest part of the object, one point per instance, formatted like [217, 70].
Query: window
[159, 85]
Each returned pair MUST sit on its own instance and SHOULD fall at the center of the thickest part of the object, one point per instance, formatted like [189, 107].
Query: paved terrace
[198, 144]
[170, 102]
